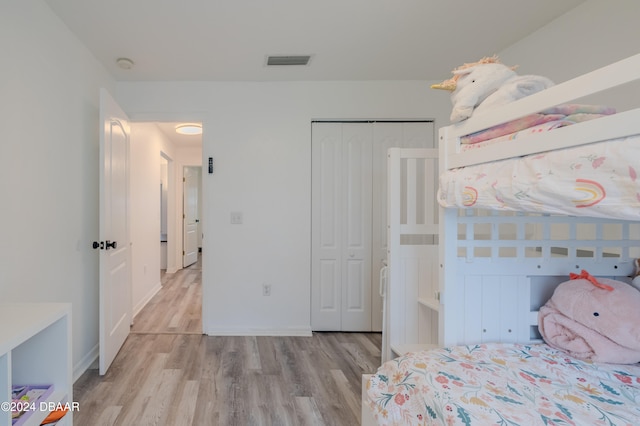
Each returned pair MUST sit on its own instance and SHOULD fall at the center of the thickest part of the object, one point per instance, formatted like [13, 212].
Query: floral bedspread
[596, 180]
[503, 384]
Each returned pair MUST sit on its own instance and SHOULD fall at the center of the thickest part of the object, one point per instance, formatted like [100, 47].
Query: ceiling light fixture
[189, 129]
[124, 63]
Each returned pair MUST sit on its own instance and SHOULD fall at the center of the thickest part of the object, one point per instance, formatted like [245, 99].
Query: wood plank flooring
[177, 307]
[169, 374]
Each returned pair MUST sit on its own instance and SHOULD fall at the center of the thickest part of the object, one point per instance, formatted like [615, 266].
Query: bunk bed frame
[497, 268]
[542, 257]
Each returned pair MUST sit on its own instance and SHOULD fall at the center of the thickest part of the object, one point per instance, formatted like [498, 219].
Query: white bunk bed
[498, 265]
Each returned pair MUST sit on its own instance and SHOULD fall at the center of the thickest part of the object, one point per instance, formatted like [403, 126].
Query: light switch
[236, 218]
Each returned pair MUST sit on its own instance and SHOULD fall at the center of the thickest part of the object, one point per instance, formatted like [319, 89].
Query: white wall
[588, 37]
[49, 85]
[147, 144]
[259, 135]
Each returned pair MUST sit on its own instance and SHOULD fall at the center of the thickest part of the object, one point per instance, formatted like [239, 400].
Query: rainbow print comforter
[595, 180]
[503, 384]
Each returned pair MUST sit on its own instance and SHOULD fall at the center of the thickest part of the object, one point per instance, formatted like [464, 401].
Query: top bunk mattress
[596, 180]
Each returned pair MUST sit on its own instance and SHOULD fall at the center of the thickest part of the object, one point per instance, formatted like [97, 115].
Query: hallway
[177, 307]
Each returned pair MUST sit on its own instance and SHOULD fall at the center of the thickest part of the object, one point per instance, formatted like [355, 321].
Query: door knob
[110, 244]
[99, 245]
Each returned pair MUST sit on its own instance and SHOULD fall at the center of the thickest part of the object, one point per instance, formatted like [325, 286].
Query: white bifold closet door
[349, 220]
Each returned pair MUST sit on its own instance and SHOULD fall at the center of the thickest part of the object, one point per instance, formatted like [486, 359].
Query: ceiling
[229, 40]
[205, 40]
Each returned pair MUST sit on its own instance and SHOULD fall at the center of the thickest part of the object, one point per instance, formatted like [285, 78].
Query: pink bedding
[566, 114]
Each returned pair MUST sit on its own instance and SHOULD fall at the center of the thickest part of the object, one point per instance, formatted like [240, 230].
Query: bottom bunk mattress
[503, 384]
[597, 180]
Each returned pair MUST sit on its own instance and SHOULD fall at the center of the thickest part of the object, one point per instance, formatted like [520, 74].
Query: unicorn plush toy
[482, 85]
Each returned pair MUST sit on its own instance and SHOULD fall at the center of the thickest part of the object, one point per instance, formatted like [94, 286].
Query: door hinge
[184, 179]
[183, 252]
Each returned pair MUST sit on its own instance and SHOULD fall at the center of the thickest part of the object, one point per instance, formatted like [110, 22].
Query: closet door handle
[383, 282]
[110, 244]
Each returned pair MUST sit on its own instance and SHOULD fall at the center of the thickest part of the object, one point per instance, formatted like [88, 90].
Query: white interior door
[190, 219]
[115, 251]
[341, 227]
[326, 227]
[356, 236]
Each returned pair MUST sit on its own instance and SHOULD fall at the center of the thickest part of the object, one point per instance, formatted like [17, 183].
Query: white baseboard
[85, 362]
[249, 331]
[136, 309]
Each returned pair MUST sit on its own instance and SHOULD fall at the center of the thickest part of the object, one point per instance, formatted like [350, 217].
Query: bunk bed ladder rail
[411, 295]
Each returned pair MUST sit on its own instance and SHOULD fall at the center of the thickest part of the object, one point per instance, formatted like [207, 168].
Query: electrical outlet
[266, 289]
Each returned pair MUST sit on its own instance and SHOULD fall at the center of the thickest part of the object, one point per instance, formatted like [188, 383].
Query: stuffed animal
[593, 319]
[486, 84]
[635, 278]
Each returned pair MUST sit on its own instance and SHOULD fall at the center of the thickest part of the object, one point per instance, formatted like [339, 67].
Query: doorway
[159, 156]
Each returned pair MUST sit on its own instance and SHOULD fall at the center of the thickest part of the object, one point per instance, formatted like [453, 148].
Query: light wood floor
[167, 373]
[177, 307]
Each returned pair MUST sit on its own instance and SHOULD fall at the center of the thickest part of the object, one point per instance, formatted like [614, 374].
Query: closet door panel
[357, 157]
[326, 233]
[329, 280]
[385, 136]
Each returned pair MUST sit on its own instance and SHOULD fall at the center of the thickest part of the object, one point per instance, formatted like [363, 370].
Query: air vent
[288, 60]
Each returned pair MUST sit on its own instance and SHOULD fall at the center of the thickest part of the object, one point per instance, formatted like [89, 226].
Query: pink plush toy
[597, 320]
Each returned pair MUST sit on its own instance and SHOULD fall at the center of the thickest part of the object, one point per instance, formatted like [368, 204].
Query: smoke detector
[124, 63]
